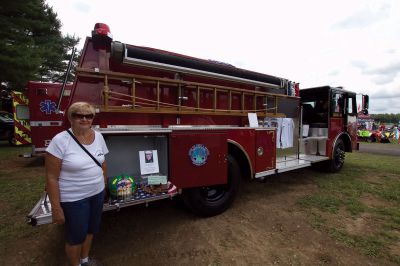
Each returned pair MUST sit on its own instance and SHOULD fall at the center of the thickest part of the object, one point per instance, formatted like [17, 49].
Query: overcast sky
[349, 43]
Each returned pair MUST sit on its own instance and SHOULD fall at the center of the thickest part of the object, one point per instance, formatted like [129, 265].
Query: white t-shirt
[284, 131]
[278, 132]
[80, 176]
[287, 128]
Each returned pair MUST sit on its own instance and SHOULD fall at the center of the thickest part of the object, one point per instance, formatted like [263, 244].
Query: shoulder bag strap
[83, 148]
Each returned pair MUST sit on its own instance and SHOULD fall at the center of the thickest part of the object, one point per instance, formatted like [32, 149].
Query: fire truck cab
[208, 123]
[329, 123]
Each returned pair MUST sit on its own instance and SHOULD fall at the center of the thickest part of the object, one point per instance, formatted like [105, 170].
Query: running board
[289, 163]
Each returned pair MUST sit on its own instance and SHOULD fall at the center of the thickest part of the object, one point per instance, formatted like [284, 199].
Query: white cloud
[386, 94]
[391, 69]
[366, 16]
[384, 79]
[380, 75]
[82, 6]
[353, 44]
[360, 64]
[334, 72]
[381, 105]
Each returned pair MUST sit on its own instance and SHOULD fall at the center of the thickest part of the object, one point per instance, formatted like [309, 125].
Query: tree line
[32, 46]
[386, 118]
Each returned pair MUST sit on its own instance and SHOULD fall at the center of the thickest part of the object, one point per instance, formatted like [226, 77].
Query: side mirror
[365, 102]
[365, 111]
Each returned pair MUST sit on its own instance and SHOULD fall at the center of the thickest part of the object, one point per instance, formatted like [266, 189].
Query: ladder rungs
[238, 98]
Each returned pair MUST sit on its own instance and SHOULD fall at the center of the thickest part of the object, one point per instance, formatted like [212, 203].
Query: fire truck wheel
[213, 200]
[337, 162]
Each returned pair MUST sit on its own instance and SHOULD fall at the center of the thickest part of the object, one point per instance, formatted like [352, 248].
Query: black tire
[213, 200]
[337, 162]
[373, 139]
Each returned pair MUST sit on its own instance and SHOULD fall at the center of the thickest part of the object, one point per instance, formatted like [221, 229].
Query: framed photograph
[148, 162]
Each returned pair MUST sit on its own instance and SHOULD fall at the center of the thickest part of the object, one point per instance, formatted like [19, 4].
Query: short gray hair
[80, 106]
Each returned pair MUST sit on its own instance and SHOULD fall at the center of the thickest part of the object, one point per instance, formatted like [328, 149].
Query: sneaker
[92, 262]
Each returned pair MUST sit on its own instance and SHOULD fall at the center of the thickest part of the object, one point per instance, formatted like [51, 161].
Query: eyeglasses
[81, 116]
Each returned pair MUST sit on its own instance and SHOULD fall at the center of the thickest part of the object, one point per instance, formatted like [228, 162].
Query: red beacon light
[102, 29]
[101, 36]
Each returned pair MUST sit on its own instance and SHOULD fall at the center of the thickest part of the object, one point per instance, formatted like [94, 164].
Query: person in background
[396, 133]
[76, 182]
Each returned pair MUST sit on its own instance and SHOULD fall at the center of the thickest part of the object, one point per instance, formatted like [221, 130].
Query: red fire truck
[209, 123]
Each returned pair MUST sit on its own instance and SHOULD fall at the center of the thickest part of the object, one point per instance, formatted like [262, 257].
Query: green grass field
[20, 188]
[359, 206]
[365, 194]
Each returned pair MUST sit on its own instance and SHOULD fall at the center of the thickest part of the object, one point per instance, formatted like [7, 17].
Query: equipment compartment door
[265, 150]
[198, 159]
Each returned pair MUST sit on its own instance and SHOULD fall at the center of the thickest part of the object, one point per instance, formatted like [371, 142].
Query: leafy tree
[31, 44]
[386, 118]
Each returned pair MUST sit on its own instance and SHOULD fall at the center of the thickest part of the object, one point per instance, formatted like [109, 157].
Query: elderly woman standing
[76, 181]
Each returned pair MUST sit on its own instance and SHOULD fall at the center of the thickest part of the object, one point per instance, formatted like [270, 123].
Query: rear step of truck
[41, 213]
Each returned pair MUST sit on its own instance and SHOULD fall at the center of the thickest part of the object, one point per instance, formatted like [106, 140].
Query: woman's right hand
[58, 216]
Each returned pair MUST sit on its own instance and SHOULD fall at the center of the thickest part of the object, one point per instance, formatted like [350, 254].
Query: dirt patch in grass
[373, 201]
[362, 225]
[395, 249]
[265, 226]
[19, 167]
[379, 178]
